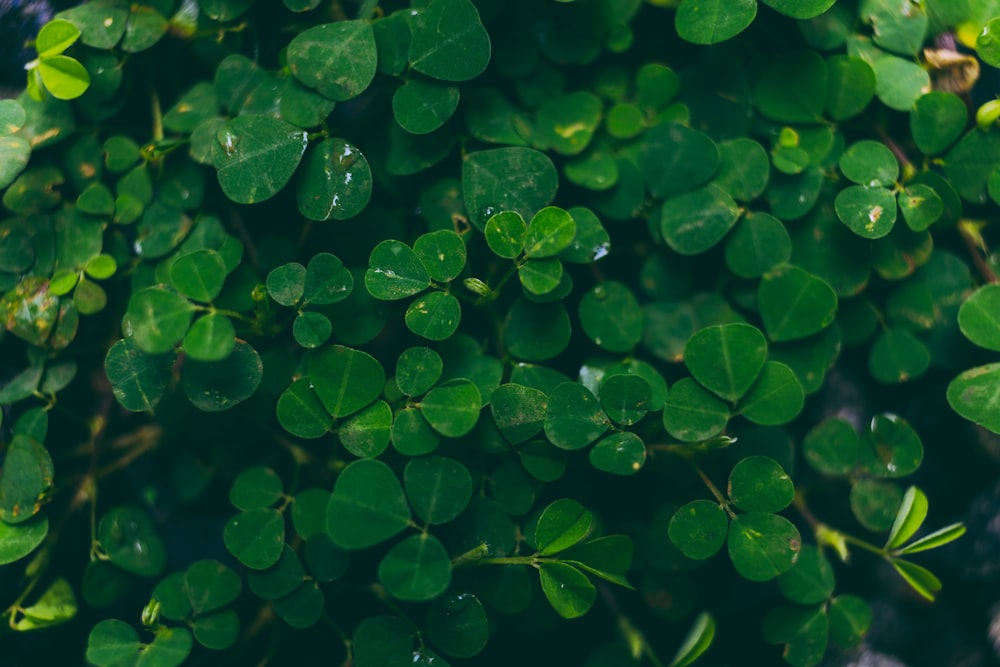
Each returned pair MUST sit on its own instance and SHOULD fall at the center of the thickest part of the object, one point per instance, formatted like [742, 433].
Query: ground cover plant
[455, 332]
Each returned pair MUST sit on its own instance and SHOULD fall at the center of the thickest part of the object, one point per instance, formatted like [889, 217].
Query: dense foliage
[402, 331]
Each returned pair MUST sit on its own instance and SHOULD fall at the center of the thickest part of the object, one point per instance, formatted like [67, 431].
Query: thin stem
[867, 546]
[713, 488]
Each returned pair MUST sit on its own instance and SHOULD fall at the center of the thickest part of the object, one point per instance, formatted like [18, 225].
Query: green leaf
[327, 280]
[979, 317]
[302, 608]
[550, 231]
[157, 319]
[507, 179]
[868, 211]
[256, 537]
[567, 589]
[12, 117]
[800, 9]
[506, 233]
[699, 529]
[792, 89]
[920, 205]
[434, 316]
[574, 418]
[691, 413]
[422, 106]
[367, 505]
[417, 370]
[457, 625]
[542, 460]
[55, 37]
[439, 488]
[831, 447]
[210, 585]
[776, 398]
[698, 640]
[759, 484]
[536, 331]
[850, 618]
[566, 123]
[256, 487]
[969, 163]
[301, 413]
[14, 154]
[758, 244]
[345, 379]
[897, 356]
[366, 434]
[900, 82]
[519, 412]
[676, 159]
[811, 580]
[411, 434]
[19, 540]
[112, 642]
[625, 398]
[335, 182]
[934, 540]
[713, 21]
[309, 512]
[64, 77]
[199, 275]
[217, 630]
[890, 448]
[726, 359]
[416, 569]
[138, 380]
[337, 59]
[910, 516]
[869, 163]
[611, 317]
[608, 557]
[974, 395]
[452, 408]
[395, 271]
[449, 41]
[744, 168]
[897, 25]
[383, 641]
[129, 538]
[875, 503]
[695, 222]
[56, 605]
[803, 630]
[442, 254]
[256, 156]
[762, 546]
[27, 476]
[311, 329]
[562, 524]
[850, 86]
[214, 386]
[794, 304]
[919, 578]
[937, 121]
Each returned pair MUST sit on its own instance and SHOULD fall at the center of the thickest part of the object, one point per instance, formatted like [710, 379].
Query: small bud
[988, 114]
[477, 286]
[151, 613]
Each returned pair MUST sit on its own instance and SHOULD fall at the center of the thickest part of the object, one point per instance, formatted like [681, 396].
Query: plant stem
[973, 242]
[713, 488]
[367, 10]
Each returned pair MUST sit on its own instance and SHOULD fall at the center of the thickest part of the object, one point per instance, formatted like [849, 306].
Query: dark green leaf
[417, 569]
[506, 233]
[256, 537]
[562, 524]
[713, 21]
[335, 182]
[158, 319]
[507, 179]
[691, 413]
[793, 88]
[759, 484]
[763, 546]
[138, 380]
[210, 585]
[831, 447]
[301, 413]
[567, 589]
[850, 618]
[574, 418]
[676, 159]
[449, 41]
[256, 487]
[776, 398]
[452, 408]
[973, 394]
[256, 156]
[794, 303]
[519, 412]
[811, 580]
[726, 359]
[129, 538]
[17, 541]
[442, 254]
[395, 271]
[803, 631]
[536, 331]
[366, 434]
[337, 59]
[302, 608]
[457, 625]
[758, 244]
[367, 506]
[611, 317]
[345, 379]
[434, 316]
[213, 386]
[439, 488]
[937, 120]
[875, 503]
[850, 86]
[699, 529]
[693, 223]
[278, 580]
[422, 106]
[383, 641]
